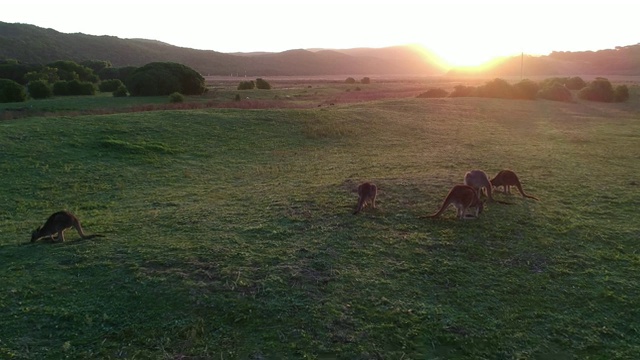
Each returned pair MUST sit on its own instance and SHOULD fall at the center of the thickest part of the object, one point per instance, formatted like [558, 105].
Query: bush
[121, 91]
[176, 97]
[350, 80]
[365, 80]
[246, 85]
[555, 91]
[496, 88]
[434, 93]
[237, 97]
[164, 78]
[575, 83]
[463, 91]
[69, 70]
[73, 87]
[525, 89]
[110, 85]
[599, 89]
[11, 91]
[262, 84]
[39, 89]
[621, 93]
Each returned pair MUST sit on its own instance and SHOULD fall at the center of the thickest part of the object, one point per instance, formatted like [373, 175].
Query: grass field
[229, 233]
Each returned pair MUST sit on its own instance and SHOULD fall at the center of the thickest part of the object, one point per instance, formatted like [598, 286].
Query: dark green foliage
[164, 78]
[575, 83]
[434, 93]
[121, 91]
[39, 89]
[110, 85]
[350, 80]
[463, 91]
[525, 89]
[246, 85]
[16, 71]
[262, 84]
[69, 70]
[555, 91]
[365, 80]
[73, 87]
[621, 93]
[45, 73]
[176, 97]
[11, 91]
[497, 88]
[237, 97]
[599, 89]
[121, 73]
[96, 65]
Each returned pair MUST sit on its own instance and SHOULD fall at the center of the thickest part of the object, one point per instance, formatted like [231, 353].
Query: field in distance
[230, 234]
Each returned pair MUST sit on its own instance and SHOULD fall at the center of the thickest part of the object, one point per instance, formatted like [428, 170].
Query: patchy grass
[229, 233]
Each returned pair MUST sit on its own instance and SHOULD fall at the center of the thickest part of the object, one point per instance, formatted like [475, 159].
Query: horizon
[475, 36]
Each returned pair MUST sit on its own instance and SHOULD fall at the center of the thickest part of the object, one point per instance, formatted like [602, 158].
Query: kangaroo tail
[530, 196]
[87, 237]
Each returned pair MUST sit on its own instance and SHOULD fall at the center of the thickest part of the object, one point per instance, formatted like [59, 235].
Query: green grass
[229, 233]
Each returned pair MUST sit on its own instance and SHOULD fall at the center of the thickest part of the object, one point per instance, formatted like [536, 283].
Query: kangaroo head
[34, 234]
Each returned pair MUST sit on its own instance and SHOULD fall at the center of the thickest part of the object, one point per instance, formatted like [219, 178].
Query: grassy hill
[229, 233]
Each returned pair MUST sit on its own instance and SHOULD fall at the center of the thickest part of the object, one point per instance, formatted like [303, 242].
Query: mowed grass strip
[229, 233]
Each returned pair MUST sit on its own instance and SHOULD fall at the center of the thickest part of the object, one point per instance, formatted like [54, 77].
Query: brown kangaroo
[479, 180]
[57, 223]
[462, 197]
[367, 193]
[507, 179]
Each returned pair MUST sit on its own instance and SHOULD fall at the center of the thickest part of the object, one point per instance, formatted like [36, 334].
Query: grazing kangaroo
[367, 193]
[507, 179]
[462, 197]
[479, 180]
[57, 223]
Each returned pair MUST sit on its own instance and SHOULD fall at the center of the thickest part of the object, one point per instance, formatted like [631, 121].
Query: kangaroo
[479, 180]
[57, 223]
[507, 179]
[367, 193]
[462, 197]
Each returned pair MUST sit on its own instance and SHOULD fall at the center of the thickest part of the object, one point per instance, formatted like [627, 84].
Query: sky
[462, 32]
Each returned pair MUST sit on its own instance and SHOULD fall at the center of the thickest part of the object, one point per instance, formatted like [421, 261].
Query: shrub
[11, 91]
[121, 91]
[262, 84]
[463, 91]
[434, 93]
[246, 85]
[39, 89]
[575, 83]
[73, 87]
[621, 93]
[555, 91]
[110, 85]
[526, 89]
[496, 88]
[350, 80]
[599, 89]
[176, 97]
[164, 78]
[69, 70]
[365, 80]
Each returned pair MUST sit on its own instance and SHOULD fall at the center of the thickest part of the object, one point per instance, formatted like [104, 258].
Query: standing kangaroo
[479, 180]
[57, 223]
[507, 179]
[462, 197]
[367, 193]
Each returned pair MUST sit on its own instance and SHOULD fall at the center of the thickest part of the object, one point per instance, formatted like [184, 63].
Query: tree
[164, 78]
[599, 89]
[69, 70]
[11, 91]
[621, 93]
[246, 85]
[96, 65]
[39, 89]
[555, 91]
[262, 84]
[526, 89]
[365, 80]
[434, 93]
[350, 80]
[110, 85]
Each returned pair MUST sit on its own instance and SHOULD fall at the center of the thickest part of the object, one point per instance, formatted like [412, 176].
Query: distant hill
[36, 45]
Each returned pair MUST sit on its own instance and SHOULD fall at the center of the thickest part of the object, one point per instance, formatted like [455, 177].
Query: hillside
[32, 44]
